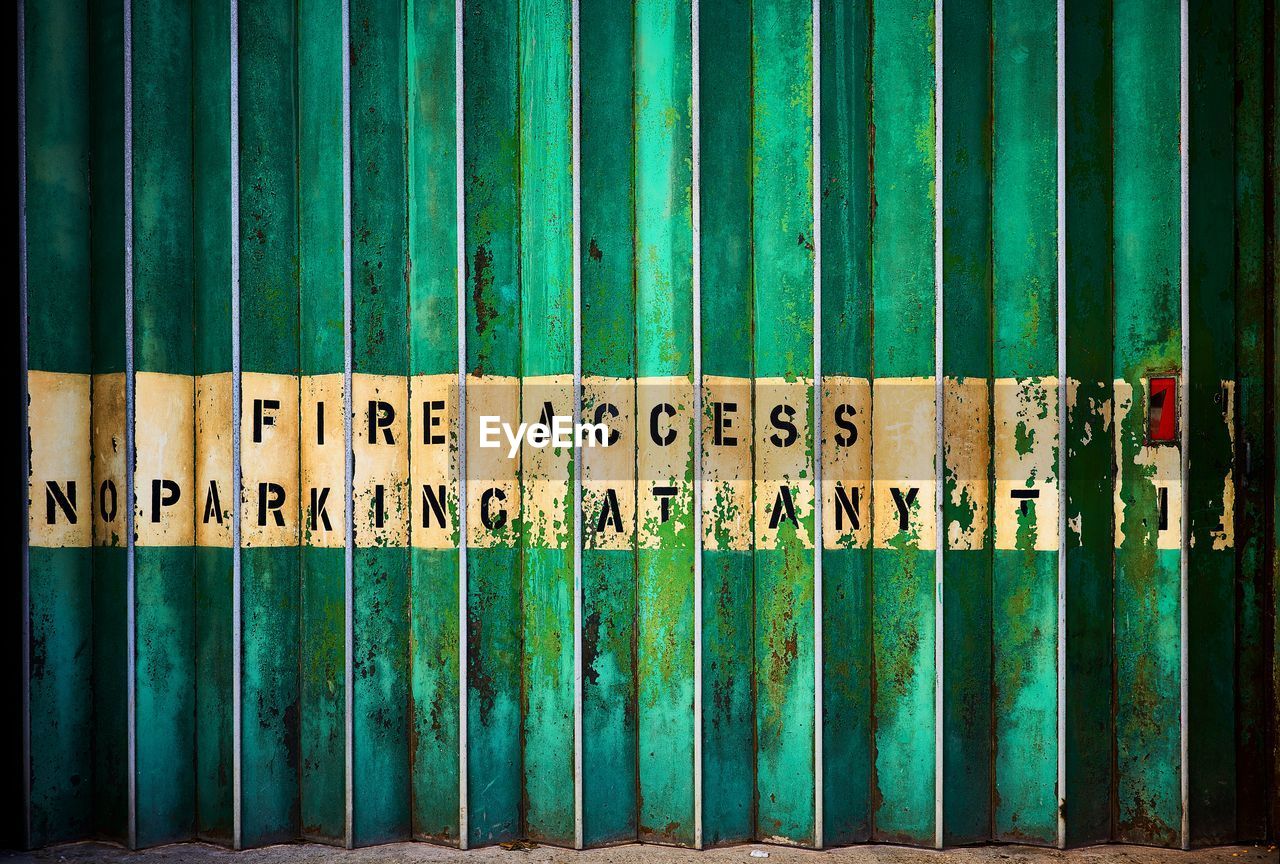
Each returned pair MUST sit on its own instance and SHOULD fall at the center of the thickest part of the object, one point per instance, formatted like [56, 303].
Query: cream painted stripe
[1062, 422]
[23, 338]
[695, 123]
[816, 85]
[348, 460]
[460, 264]
[237, 478]
[938, 467]
[576, 85]
[130, 456]
[1184, 170]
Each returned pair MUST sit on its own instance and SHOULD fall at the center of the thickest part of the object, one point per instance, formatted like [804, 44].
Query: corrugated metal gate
[939, 505]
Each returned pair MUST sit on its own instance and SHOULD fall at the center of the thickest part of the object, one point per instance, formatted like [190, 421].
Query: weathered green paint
[1147, 341]
[664, 306]
[783, 263]
[433, 350]
[728, 601]
[1211, 589]
[1251, 388]
[322, 695]
[490, 174]
[608, 313]
[967, 717]
[270, 575]
[1088, 452]
[55, 62]
[845, 61]
[162, 312]
[902, 272]
[211, 201]
[547, 325]
[1025, 341]
[107, 299]
[380, 346]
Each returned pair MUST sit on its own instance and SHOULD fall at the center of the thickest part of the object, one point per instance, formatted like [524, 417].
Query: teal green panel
[1025, 304]
[61, 617]
[320, 143]
[608, 193]
[664, 347]
[902, 252]
[269, 744]
[165, 712]
[1147, 341]
[162, 190]
[967, 338]
[380, 697]
[56, 71]
[433, 640]
[59, 611]
[270, 580]
[846, 350]
[608, 697]
[1024, 669]
[902, 181]
[213, 694]
[322, 695]
[1088, 455]
[609, 770]
[322, 649]
[1211, 565]
[664, 624]
[546, 308]
[110, 696]
[433, 349]
[1252, 493]
[211, 185]
[903, 648]
[728, 715]
[493, 695]
[490, 172]
[432, 169]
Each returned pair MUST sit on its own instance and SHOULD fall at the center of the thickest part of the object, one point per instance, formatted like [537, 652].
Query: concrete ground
[405, 853]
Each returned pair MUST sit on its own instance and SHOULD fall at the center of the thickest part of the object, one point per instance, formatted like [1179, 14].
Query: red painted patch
[1162, 410]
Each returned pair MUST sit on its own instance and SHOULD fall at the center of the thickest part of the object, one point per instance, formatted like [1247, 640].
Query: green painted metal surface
[60, 572]
[1087, 452]
[464, 688]
[845, 190]
[1148, 342]
[728, 352]
[903, 304]
[608, 315]
[211, 225]
[967, 358]
[322, 650]
[491, 207]
[664, 350]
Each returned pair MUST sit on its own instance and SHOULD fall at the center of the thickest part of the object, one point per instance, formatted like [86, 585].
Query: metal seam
[939, 404]
[1184, 170]
[348, 460]
[24, 349]
[131, 690]
[1062, 422]
[696, 224]
[818, 696]
[237, 478]
[576, 134]
[460, 238]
